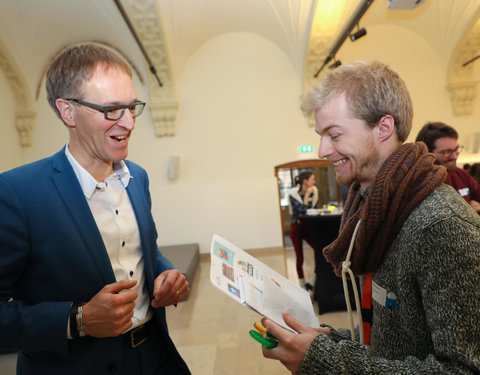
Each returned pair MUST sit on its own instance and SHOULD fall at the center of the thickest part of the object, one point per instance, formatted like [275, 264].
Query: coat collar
[72, 195]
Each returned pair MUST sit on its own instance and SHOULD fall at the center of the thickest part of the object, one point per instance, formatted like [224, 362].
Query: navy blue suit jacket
[52, 253]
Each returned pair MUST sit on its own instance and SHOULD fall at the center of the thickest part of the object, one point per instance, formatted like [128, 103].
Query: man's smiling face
[347, 142]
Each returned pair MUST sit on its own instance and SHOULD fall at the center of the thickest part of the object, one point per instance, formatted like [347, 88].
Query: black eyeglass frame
[106, 108]
[449, 152]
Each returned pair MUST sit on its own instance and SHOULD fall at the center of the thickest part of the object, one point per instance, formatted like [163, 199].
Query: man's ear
[65, 108]
[385, 128]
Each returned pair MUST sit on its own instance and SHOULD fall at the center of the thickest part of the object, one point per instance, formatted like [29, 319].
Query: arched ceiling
[442, 23]
[190, 23]
[33, 31]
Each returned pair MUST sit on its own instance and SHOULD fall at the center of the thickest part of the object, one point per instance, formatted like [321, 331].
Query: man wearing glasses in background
[82, 284]
[442, 141]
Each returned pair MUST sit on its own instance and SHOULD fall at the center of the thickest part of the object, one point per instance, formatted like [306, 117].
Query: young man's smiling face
[347, 142]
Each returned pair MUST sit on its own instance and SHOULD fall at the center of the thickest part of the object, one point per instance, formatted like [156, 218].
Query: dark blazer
[52, 253]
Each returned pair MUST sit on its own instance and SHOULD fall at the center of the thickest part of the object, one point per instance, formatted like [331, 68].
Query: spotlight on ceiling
[336, 64]
[358, 34]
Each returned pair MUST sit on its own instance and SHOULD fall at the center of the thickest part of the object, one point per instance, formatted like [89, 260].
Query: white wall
[239, 117]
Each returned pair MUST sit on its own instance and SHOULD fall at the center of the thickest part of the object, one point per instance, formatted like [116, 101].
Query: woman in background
[306, 196]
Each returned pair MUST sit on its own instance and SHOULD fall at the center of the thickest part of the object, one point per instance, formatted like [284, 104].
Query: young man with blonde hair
[414, 240]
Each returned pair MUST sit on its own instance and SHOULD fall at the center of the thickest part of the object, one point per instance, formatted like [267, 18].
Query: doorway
[328, 189]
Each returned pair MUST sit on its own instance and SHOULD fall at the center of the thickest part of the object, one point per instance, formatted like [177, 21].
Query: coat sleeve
[24, 326]
[448, 275]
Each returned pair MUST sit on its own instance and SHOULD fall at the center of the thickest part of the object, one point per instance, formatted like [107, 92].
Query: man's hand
[475, 205]
[109, 313]
[291, 347]
[169, 288]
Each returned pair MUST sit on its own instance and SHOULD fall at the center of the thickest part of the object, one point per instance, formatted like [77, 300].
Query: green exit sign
[306, 148]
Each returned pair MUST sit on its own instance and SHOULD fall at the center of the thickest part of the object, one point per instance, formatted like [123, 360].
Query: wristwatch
[77, 329]
[80, 326]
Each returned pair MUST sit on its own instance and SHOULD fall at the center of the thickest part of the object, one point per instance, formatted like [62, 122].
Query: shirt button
[131, 273]
[116, 211]
[123, 243]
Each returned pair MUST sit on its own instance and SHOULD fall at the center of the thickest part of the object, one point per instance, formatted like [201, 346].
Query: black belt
[137, 335]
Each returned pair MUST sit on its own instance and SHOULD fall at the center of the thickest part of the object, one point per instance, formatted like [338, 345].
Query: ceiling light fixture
[358, 34]
[354, 19]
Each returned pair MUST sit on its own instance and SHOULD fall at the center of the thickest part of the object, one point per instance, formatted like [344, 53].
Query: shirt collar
[86, 180]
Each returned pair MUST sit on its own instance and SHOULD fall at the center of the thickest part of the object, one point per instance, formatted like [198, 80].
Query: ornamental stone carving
[144, 16]
[24, 113]
[462, 84]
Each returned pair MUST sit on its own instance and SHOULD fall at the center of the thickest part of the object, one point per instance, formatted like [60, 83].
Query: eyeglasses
[449, 152]
[113, 112]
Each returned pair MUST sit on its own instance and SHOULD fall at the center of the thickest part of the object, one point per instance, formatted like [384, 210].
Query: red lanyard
[367, 308]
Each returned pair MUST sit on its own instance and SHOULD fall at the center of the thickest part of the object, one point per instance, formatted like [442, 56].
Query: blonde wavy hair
[372, 90]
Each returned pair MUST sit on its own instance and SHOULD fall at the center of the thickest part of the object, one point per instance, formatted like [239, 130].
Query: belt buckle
[132, 337]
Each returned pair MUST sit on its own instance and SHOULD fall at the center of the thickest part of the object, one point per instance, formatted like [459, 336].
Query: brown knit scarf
[403, 181]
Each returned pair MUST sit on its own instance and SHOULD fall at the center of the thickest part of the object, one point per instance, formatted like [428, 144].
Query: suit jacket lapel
[72, 195]
[142, 213]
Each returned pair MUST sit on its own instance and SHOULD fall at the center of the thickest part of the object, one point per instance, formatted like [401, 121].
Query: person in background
[301, 199]
[83, 285]
[411, 238]
[467, 167]
[475, 172]
[442, 141]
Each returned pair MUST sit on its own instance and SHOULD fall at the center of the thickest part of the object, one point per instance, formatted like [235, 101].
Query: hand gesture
[291, 347]
[109, 313]
[169, 288]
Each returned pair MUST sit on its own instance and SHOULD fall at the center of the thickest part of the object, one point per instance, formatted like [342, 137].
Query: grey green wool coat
[433, 266]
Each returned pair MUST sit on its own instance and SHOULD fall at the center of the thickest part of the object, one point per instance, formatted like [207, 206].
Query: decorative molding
[462, 95]
[24, 111]
[145, 18]
[164, 114]
[461, 82]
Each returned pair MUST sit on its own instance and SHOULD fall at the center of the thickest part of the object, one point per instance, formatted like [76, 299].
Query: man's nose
[127, 121]
[324, 149]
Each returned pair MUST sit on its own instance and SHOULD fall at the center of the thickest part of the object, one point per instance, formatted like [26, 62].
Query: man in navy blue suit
[83, 287]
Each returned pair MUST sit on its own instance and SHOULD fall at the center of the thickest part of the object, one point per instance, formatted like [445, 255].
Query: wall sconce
[173, 167]
[358, 34]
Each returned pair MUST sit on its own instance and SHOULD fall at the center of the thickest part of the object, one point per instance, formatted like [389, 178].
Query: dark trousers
[298, 234]
[149, 358]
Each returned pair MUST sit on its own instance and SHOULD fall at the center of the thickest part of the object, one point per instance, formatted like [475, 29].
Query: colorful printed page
[257, 286]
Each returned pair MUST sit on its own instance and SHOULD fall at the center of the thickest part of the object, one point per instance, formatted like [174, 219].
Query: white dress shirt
[116, 221]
